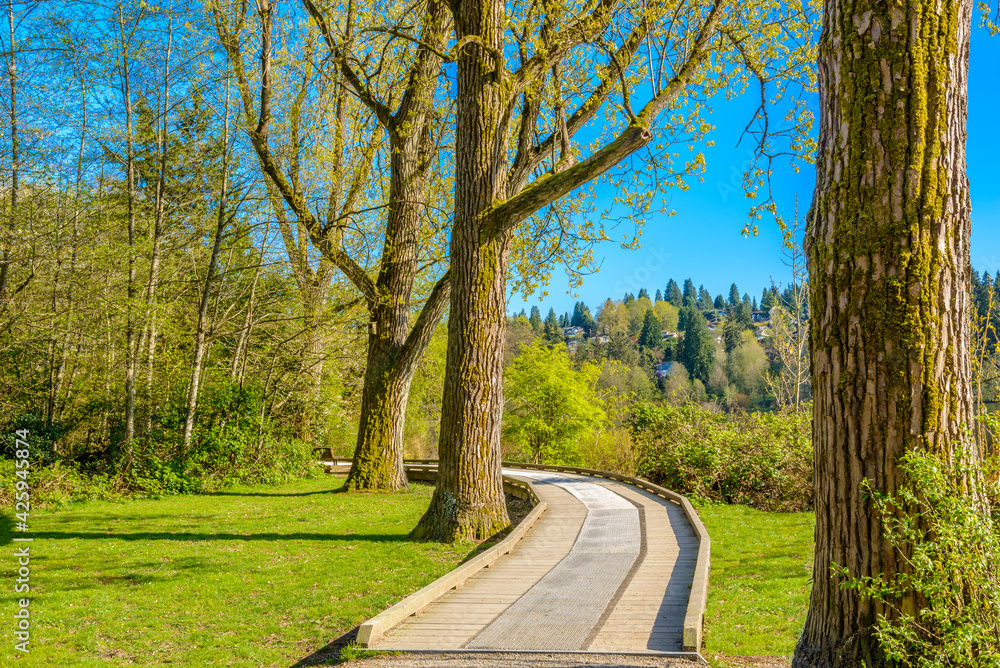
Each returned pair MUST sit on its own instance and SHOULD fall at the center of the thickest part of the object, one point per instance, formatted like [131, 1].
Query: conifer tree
[673, 294]
[689, 293]
[536, 320]
[550, 328]
[650, 338]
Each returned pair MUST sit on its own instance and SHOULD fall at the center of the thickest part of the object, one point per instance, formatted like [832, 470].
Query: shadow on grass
[7, 529]
[194, 537]
[339, 490]
[328, 654]
[275, 494]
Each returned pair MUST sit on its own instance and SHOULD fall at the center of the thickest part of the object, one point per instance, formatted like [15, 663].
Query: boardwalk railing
[426, 469]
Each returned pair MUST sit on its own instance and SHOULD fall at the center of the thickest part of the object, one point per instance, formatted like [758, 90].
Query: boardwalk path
[607, 568]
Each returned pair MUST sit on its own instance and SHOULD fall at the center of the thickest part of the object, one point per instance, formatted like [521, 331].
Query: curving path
[607, 568]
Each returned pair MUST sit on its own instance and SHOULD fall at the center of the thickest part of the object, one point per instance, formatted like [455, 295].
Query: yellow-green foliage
[763, 460]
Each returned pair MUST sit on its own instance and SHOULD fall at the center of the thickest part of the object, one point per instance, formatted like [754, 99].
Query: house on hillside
[601, 339]
[572, 345]
[663, 369]
[572, 331]
[668, 335]
[758, 317]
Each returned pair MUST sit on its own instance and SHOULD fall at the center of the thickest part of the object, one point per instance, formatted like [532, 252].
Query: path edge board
[694, 617]
[373, 630]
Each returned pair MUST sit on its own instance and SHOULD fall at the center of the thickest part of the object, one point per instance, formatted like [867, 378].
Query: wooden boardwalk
[607, 568]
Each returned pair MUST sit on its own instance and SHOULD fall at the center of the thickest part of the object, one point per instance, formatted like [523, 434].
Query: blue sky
[703, 241]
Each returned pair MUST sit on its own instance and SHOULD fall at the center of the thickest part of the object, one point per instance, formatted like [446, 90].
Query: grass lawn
[759, 587]
[246, 577]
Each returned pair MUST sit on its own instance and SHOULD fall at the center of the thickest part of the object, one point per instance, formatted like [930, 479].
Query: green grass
[246, 577]
[759, 586]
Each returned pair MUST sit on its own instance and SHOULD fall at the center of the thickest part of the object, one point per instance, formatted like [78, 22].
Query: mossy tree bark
[394, 349]
[888, 251]
[469, 501]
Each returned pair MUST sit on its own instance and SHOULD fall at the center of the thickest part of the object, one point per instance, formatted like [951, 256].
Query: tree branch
[319, 235]
[423, 329]
[552, 186]
[381, 111]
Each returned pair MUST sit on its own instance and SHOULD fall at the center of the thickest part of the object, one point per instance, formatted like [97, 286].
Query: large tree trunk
[469, 502]
[393, 346]
[391, 362]
[888, 250]
[378, 455]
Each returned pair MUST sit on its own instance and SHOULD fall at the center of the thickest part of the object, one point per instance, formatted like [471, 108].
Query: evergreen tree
[737, 321]
[690, 293]
[673, 294]
[705, 302]
[629, 298]
[720, 303]
[697, 348]
[643, 293]
[651, 338]
[734, 295]
[770, 298]
[659, 296]
[536, 320]
[753, 306]
[746, 299]
[587, 320]
[550, 328]
[564, 320]
[577, 319]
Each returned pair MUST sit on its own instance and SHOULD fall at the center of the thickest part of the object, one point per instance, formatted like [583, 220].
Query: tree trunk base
[376, 476]
[861, 650]
[447, 520]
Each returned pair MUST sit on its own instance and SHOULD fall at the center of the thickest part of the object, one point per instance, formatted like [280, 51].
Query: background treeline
[161, 327]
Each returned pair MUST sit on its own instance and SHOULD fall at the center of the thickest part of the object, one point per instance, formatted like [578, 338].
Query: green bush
[940, 523]
[42, 437]
[60, 483]
[235, 444]
[762, 460]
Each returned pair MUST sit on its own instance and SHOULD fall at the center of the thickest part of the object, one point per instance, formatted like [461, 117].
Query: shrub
[950, 539]
[42, 437]
[763, 460]
[60, 483]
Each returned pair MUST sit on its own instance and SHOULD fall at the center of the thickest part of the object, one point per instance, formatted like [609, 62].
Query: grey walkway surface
[607, 568]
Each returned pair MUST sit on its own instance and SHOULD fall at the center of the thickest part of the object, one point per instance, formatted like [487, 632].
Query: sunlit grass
[759, 586]
[245, 577]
